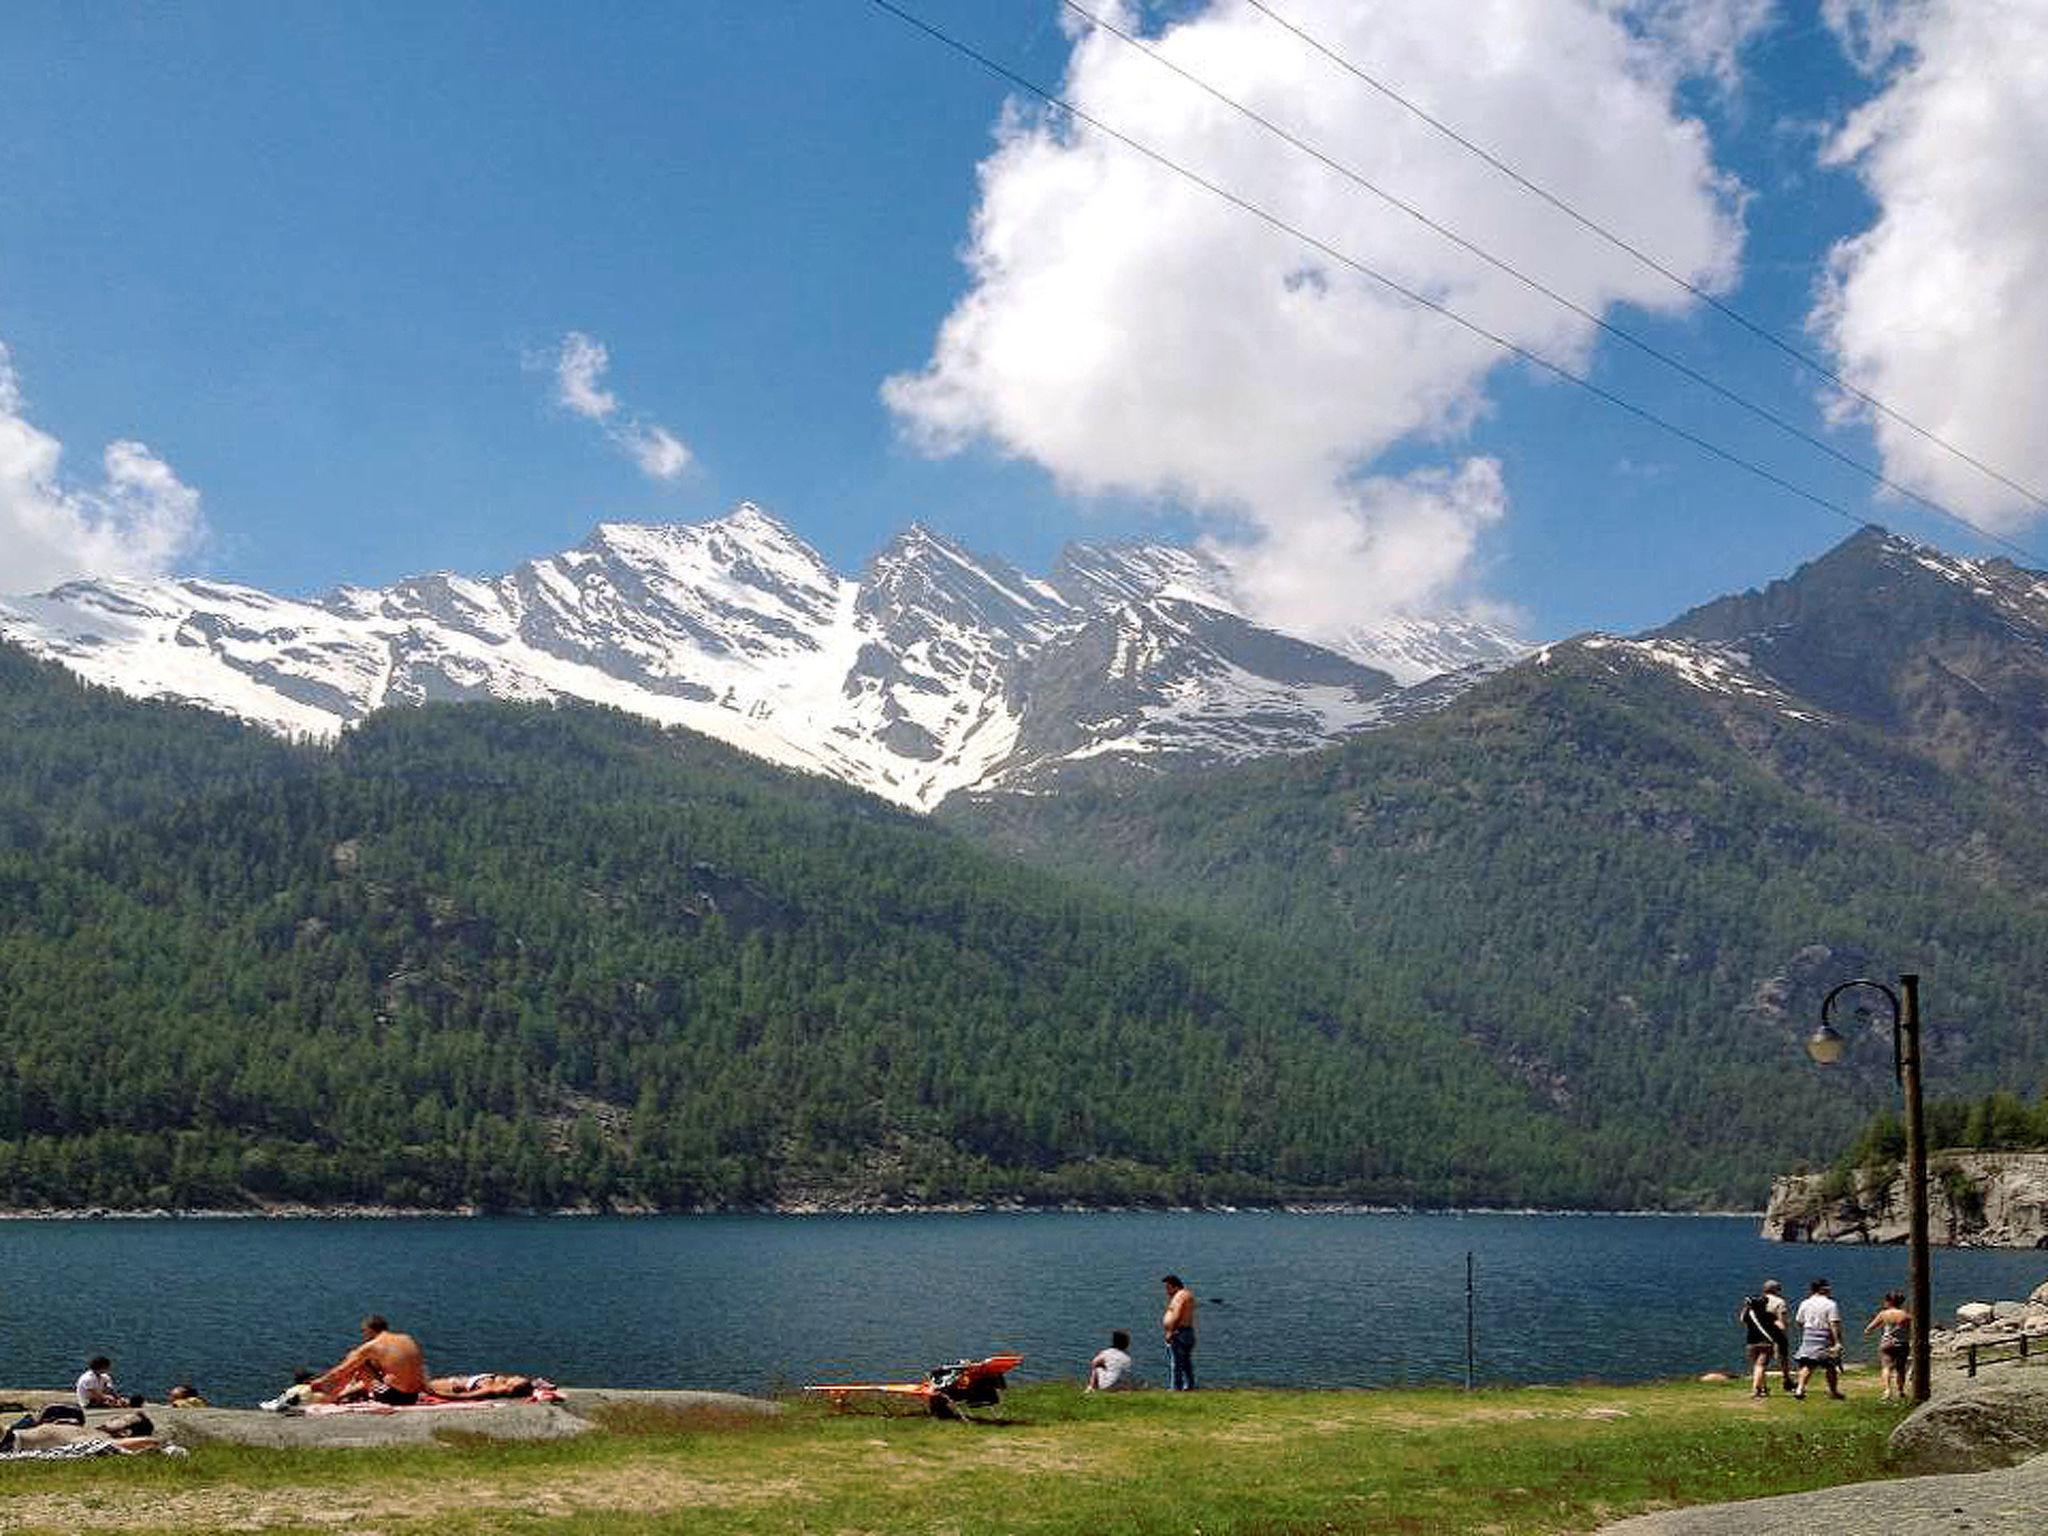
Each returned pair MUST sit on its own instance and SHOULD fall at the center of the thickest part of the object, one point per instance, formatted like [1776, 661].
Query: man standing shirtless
[1179, 1323]
[386, 1367]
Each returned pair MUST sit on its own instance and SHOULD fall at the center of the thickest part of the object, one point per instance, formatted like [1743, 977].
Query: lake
[750, 1303]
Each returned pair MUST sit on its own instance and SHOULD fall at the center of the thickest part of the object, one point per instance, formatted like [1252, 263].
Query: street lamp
[1825, 1046]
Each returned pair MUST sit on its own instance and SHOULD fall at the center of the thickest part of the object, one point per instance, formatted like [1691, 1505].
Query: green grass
[1219, 1463]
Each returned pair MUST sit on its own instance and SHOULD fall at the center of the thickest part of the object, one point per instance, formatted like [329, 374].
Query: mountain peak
[915, 681]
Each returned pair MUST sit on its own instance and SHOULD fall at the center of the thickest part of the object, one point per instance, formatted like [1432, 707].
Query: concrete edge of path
[2012, 1501]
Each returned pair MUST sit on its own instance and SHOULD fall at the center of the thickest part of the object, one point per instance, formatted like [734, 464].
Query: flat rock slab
[509, 1420]
[581, 1411]
[2008, 1503]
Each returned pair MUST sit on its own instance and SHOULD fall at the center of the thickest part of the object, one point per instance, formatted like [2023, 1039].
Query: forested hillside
[1557, 944]
[524, 957]
[1628, 889]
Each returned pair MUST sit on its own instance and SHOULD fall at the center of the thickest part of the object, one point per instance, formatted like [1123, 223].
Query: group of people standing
[1110, 1370]
[1767, 1335]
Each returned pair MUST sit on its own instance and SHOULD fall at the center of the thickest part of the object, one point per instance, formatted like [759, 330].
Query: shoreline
[292, 1212]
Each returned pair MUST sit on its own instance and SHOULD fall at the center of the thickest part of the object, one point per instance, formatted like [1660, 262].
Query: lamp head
[1825, 1044]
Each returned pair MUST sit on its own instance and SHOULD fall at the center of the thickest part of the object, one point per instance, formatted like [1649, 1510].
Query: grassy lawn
[1217, 1463]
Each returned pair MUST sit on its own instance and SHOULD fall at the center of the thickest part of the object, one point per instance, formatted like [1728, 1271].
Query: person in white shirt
[1820, 1339]
[1110, 1370]
[96, 1387]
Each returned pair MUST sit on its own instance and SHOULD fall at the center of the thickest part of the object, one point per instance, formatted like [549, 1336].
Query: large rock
[2040, 1296]
[1975, 1314]
[1974, 1200]
[1988, 1422]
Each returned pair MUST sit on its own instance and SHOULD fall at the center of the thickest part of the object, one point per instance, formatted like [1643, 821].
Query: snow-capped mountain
[938, 670]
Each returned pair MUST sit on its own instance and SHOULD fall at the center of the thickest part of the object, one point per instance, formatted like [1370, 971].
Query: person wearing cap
[1820, 1339]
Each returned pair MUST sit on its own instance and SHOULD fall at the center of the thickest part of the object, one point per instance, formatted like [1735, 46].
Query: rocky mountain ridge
[937, 670]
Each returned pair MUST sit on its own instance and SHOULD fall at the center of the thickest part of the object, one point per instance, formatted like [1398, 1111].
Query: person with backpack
[1762, 1337]
[1781, 1327]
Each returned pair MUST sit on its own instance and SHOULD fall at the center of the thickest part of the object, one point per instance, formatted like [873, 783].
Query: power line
[1158, 157]
[1705, 381]
[1755, 328]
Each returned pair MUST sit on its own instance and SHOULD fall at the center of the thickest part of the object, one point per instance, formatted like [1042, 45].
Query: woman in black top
[1762, 1337]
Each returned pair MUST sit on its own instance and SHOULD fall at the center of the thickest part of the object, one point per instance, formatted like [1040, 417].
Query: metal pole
[1916, 1190]
[1471, 1338]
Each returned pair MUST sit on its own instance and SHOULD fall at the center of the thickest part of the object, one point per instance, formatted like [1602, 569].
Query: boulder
[1975, 1314]
[1717, 1376]
[2009, 1311]
[2040, 1296]
[1985, 1423]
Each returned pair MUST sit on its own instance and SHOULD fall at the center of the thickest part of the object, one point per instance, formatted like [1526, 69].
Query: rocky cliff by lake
[1974, 1200]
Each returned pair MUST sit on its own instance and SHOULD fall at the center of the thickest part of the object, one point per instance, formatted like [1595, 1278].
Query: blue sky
[320, 260]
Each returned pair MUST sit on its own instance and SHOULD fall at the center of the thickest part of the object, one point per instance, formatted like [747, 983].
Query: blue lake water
[751, 1303]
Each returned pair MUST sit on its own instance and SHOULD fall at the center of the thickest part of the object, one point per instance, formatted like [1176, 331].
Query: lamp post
[1825, 1047]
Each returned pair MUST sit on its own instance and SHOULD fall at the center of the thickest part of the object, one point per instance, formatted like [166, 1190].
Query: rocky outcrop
[1974, 1200]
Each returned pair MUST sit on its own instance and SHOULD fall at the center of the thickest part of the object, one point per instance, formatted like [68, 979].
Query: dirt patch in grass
[643, 1488]
[659, 1420]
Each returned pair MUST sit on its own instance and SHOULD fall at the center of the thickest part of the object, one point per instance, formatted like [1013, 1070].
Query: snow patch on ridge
[1706, 668]
[925, 677]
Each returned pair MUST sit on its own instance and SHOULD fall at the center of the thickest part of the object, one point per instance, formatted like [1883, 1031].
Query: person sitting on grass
[386, 1367]
[1110, 1370]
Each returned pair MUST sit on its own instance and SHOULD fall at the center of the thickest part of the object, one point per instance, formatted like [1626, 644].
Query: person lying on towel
[386, 1367]
[479, 1386]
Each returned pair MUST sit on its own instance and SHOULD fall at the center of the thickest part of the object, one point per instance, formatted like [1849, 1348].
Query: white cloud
[1699, 37]
[1131, 332]
[1940, 308]
[1874, 32]
[579, 368]
[138, 520]
[1406, 535]
[660, 455]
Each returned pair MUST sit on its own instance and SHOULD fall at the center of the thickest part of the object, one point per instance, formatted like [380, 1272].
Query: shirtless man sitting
[386, 1367]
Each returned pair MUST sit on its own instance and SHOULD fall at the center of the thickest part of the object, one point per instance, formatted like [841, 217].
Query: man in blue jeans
[1179, 1323]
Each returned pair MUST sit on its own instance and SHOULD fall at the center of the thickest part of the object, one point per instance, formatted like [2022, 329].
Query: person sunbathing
[480, 1385]
[131, 1433]
[386, 1367]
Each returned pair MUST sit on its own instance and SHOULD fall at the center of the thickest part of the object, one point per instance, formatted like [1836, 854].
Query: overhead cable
[1677, 365]
[1756, 328]
[1267, 216]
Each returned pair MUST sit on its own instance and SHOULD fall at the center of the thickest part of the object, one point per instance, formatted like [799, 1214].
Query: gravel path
[2008, 1503]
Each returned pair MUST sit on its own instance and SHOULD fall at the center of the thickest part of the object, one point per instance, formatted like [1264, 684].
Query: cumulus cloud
[1698, 37]
[138, 520]
[1940, 308]
[1403, 535]
[1133, 333]
[579, 368]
